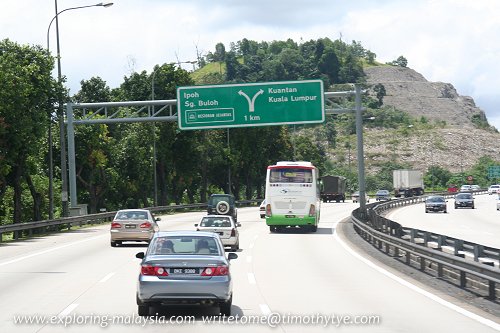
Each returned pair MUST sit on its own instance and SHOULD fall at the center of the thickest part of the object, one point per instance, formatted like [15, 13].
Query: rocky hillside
[409, 91]
[456, 146]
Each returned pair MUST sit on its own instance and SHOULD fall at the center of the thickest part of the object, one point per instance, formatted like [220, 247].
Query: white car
[262, 209]
[493, 189]
[224, 226]
[465, 188]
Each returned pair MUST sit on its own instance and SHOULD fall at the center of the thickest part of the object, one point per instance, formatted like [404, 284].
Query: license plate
[184, 271]
[221, 233]
[289, 216]
[129, 226]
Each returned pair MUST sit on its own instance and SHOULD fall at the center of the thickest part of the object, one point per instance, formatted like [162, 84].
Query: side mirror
[232, 256]
[158, 219]
[238, 225]
[196, 225]
[140, 255]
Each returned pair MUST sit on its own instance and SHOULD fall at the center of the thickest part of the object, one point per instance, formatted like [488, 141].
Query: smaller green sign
[494, 171]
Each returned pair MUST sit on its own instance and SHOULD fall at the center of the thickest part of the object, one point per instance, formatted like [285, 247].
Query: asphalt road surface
[297, 282]
[480, 225]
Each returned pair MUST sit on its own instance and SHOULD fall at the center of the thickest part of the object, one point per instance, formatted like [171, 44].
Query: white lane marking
[421, 291]
[50, 250]
[251, 278]
[249, 259]
[68, 310]
[264, 308]
[107, 277]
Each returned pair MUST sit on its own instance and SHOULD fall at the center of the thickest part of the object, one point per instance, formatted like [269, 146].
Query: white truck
[408, 183]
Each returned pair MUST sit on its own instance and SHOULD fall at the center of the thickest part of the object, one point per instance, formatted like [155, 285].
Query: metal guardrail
[429, 250]
[67, 222]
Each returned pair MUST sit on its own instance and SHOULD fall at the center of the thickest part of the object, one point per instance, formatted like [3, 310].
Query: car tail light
[268, 210]
[153, 270]
[312, 210]
[115, 225]
[215, 271]
[145, 225]
[233, 233]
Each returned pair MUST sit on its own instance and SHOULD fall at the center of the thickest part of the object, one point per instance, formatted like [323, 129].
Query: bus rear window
[289, 175]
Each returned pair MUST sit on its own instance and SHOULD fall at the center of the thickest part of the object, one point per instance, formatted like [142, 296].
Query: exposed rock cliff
[409, 91]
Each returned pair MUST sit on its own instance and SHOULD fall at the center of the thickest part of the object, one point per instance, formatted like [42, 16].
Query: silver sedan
[185, 267]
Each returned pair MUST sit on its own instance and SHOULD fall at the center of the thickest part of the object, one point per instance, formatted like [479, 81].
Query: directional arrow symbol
[251, 102]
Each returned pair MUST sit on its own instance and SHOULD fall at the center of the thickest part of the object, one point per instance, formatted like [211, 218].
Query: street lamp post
[155, 193]
[60, 115]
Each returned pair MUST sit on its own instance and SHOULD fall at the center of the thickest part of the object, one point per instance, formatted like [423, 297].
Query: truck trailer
[408, 183]
[333, 188]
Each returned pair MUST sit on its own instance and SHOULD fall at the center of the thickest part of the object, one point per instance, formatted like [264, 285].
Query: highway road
[480, 225]
[312, 277]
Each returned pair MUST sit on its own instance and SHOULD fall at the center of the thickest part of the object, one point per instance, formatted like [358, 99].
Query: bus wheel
[273, 229]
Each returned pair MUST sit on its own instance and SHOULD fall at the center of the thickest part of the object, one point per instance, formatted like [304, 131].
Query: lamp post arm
[64, 10]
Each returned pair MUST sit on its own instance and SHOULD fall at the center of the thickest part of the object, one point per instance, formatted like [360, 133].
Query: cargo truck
[333, 188]
[408, 183]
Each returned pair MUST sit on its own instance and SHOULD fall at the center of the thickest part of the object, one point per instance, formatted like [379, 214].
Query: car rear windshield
[215, 222]
[464, 196]
[214, 200]
[435, 199]
[290, 175]
[131, 215]
[184, 245]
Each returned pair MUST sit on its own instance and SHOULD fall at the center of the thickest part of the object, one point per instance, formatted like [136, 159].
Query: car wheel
[113, 244]
[143, 310]
[314, 228]
[235, 248]
[225, 307]
[222, 207]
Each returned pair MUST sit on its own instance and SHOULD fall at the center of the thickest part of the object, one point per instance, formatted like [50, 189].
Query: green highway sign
[251, 104]
[494, 171]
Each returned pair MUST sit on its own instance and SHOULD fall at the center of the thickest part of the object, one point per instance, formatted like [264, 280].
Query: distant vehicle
[222, 204]
[465, 188]
[475, 187]
[262, 209]
[452, 188]
[435, 203]
[133, 225]
[292, 196]
[383, 195]
[355, 197]
[333, 188]
[185, 267]
[224, 226]
[408, 183]
[464, 200]
[493, 189]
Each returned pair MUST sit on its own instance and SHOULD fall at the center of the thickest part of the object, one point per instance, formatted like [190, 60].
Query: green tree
[27, 93]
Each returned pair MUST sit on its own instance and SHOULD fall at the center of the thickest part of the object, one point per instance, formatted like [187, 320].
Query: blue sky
[455, 41]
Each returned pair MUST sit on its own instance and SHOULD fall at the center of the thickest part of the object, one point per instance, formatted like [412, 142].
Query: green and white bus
[292, 196]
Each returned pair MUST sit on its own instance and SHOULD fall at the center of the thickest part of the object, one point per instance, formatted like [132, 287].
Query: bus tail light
[268, 210]
[312, 211]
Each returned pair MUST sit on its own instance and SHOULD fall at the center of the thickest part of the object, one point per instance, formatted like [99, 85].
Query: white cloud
[447, 40]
